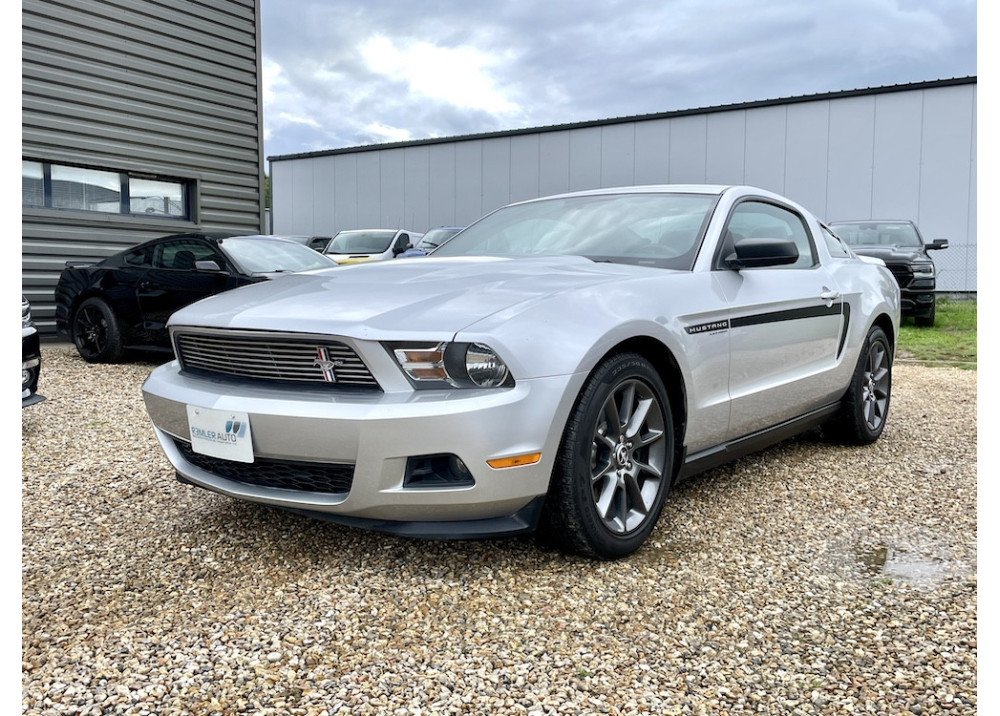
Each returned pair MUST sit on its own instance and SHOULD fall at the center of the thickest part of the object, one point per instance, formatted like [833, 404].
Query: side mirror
[937, 244]
[207, 266]
[759, 253]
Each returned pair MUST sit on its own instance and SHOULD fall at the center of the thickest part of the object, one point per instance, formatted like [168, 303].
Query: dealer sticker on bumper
[220, 433]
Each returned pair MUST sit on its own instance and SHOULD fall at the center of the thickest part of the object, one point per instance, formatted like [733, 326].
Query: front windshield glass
[877, 233]
[361, 242]
[435, 237]
[661, 230]
[259, 255]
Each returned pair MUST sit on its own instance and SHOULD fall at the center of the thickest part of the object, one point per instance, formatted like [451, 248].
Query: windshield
[361, 241]
[260, 255]
[878, 233]
[661, 230]
[435, 237]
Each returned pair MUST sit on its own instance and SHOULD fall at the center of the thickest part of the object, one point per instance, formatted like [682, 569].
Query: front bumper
[375, 434]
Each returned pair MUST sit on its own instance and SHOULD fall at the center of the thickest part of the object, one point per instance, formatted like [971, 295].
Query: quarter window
[834, 244]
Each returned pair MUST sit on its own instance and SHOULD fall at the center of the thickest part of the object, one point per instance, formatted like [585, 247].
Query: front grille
[902, 273]
[321, 362]
[321, 477]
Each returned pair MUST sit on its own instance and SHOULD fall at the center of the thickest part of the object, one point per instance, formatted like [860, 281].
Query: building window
[32, 184]
[59, 186]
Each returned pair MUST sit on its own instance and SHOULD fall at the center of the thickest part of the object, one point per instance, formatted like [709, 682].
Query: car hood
[432, 297]
[891, 254]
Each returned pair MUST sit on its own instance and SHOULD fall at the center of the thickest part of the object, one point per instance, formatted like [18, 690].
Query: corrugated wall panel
[416, 198]
[725, 151]
[618, 155]
[906, 153]
[441, 189]
[525, 167]
[168, 88]
[688, 151]
[652, 156]
[806, 153]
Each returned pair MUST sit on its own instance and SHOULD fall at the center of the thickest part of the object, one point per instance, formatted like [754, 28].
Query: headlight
[457, 365]
[923, 270]
[25, 312]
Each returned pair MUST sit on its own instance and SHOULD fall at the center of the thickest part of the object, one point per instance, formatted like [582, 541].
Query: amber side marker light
[516, 461]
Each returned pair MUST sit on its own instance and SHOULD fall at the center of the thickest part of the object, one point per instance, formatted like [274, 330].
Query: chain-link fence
[956, 268]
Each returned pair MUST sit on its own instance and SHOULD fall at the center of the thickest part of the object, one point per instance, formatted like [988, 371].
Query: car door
[174, 282]
[786, 323]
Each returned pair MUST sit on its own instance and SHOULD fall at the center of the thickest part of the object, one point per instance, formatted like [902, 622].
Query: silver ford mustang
[556, 366]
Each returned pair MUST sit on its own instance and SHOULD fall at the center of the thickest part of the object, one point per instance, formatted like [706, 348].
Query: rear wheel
[615, 462]
[865, 406]
[96, 332]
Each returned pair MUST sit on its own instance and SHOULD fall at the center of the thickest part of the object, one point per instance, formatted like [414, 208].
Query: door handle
[829, 295]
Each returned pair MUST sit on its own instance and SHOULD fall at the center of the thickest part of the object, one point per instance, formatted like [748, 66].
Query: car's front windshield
[435, 237]
[656, 229]
[361, 242]
[877, 233]
[261, 255]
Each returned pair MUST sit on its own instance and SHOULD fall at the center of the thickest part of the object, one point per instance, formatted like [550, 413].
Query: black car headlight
[458, 365]
[923, 270]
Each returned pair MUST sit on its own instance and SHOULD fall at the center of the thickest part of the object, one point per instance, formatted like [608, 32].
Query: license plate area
[220, 433]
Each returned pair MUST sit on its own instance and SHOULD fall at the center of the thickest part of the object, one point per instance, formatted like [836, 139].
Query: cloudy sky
[344, 74]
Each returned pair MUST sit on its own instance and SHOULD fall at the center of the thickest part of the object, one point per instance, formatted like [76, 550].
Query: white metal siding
[894, 153]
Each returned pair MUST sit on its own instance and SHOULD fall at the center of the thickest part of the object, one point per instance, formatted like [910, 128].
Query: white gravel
[809, 579]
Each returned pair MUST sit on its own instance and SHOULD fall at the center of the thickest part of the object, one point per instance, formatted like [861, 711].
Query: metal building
[140, 118]
[897, 152]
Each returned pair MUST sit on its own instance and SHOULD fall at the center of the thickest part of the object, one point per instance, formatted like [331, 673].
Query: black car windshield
[361, 241]
[655, 229]
[878, 233]
[262, 255]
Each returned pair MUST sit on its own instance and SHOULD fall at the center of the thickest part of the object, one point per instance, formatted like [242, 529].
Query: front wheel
[96, 332]
[926, 320]
[865, 407]
[615, 462]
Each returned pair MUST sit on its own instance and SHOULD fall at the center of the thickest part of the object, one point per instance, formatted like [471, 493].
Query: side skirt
[727, 452]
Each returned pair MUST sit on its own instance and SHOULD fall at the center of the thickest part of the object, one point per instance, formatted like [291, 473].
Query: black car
[31, 358]
[902, 248]
[125, 300]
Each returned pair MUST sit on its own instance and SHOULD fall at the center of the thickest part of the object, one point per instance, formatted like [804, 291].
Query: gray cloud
[331, 84]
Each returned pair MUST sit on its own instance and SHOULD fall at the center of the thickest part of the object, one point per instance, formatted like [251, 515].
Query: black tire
[615, 462]
[926, 320]
[865, 407]
[96, 333]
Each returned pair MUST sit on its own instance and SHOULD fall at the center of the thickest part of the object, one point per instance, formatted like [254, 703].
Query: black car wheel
[615, 462]
[865, 406]
[96, 332]
[927, 319]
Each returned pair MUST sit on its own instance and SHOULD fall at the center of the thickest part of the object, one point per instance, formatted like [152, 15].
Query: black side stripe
[778, 317]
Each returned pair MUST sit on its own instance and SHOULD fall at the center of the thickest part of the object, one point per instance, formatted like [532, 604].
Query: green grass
[952, 340]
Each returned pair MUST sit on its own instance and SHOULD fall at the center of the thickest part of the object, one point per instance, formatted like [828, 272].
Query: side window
[402, 242]
[183, 253]
[141, 257]
[758, 219]
[834, 244]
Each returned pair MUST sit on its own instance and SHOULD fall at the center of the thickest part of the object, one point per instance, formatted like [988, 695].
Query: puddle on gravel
[919, 568]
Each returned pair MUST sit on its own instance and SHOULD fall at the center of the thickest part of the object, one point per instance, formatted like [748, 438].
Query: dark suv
[900, 246]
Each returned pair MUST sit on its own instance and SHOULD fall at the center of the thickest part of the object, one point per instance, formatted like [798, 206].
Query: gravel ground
[809, 579]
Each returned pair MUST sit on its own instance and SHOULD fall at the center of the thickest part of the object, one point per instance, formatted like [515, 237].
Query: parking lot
[810, 578]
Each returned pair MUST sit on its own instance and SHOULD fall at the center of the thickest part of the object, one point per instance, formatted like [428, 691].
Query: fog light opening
[445, 470]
